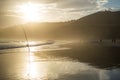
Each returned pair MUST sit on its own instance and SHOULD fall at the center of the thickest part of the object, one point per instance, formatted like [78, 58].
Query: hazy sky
[53, 10]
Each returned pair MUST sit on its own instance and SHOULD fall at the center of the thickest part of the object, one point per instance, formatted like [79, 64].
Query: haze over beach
[59, 40]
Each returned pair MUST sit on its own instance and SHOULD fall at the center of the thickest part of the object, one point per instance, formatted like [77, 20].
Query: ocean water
[59, 60]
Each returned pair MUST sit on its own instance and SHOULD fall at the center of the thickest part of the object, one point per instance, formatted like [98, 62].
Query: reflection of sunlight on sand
[37, 71]
[33, 69]
[60, 68]
[49, 68]
[57, 70]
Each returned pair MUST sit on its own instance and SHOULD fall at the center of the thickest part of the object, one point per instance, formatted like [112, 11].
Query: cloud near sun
[61, 10]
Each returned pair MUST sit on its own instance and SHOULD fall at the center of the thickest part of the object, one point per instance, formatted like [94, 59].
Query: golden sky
[21, 11]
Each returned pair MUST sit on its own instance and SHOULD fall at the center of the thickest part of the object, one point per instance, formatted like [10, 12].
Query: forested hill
[102, 17]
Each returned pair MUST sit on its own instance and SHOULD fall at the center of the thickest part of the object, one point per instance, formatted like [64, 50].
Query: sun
[29, 12]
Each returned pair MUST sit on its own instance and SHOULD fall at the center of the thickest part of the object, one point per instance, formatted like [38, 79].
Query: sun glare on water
[29, 12]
